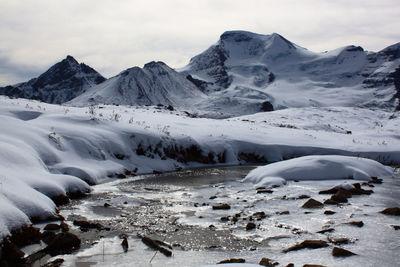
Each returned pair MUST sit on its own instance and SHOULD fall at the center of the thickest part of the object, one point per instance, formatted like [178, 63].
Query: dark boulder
[250, 226]
[26, 235]
[11, 253]
[52, 227]
[391, 211]
[340, 252]
[268, 262]
[329, 212]
[312, 204]
[48, 236]
[63, 243]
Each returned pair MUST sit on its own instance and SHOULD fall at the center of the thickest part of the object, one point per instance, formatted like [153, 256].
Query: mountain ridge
[242, 73]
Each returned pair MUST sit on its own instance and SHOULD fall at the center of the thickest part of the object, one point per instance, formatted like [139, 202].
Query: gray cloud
[114, 35]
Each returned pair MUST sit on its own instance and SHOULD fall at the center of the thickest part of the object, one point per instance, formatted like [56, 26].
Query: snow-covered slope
[52, 150]
[246, 72]
[62, 82]
[155, 83]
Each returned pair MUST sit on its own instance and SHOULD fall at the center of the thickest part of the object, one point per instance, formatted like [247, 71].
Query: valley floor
[51, 152]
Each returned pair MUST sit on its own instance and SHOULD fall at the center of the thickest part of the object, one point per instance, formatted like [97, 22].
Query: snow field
[51, 150]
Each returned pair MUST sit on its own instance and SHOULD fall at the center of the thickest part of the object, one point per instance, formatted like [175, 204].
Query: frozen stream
[177, 208]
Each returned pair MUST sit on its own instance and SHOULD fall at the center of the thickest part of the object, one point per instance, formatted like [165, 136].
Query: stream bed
[177, 208]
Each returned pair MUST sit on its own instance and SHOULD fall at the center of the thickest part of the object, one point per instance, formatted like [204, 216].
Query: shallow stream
[177, 209]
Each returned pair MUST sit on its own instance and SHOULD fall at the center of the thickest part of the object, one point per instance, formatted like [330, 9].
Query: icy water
[177, 209]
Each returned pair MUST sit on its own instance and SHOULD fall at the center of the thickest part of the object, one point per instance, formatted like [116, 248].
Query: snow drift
[326, 167]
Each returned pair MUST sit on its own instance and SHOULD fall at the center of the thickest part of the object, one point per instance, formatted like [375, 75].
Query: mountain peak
[153, 64]
[60, 83]
[237, 36]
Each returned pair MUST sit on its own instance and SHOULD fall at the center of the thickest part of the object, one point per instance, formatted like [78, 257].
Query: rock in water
[11, 253]
[391, 211]
[312, 204]
[233, 260]
[268, 262]
[308, 244]
[250, 226]
[124, 244]
[340, 252]
[63, 243]
[221, 207]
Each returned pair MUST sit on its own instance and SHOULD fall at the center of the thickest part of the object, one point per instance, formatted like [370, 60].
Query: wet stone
[224, 219]
[265, 191]
[391, 211]
[356, 223]
[313, 244]
[268, 262]
[63, 243]
[233, 260]
[328, 230]
[329, 212]
[221, 207]
[52, 227]
[250, 226]
[259, 215]
[330, 202]
[340, 252]
[312, 204]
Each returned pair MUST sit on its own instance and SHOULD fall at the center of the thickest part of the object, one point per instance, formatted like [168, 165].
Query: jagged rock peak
[245, 36]
[153, 64]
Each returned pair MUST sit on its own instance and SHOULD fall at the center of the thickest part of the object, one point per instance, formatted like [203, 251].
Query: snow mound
[317, 168]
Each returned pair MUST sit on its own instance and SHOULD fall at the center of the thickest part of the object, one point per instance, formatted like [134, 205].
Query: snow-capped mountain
[243, 73]
[254, 72]
[155, 83]
[62, 82]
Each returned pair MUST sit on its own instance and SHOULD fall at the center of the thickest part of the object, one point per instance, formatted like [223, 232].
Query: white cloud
[114, 35]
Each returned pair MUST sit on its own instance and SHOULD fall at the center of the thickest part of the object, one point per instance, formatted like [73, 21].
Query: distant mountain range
[242, 73]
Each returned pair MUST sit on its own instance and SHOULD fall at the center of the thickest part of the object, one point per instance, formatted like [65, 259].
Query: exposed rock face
[62, 82]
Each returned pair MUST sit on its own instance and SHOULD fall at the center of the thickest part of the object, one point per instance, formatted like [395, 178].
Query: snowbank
[328, 167]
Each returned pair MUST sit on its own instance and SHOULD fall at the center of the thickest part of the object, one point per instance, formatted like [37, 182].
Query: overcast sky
[112, 35]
